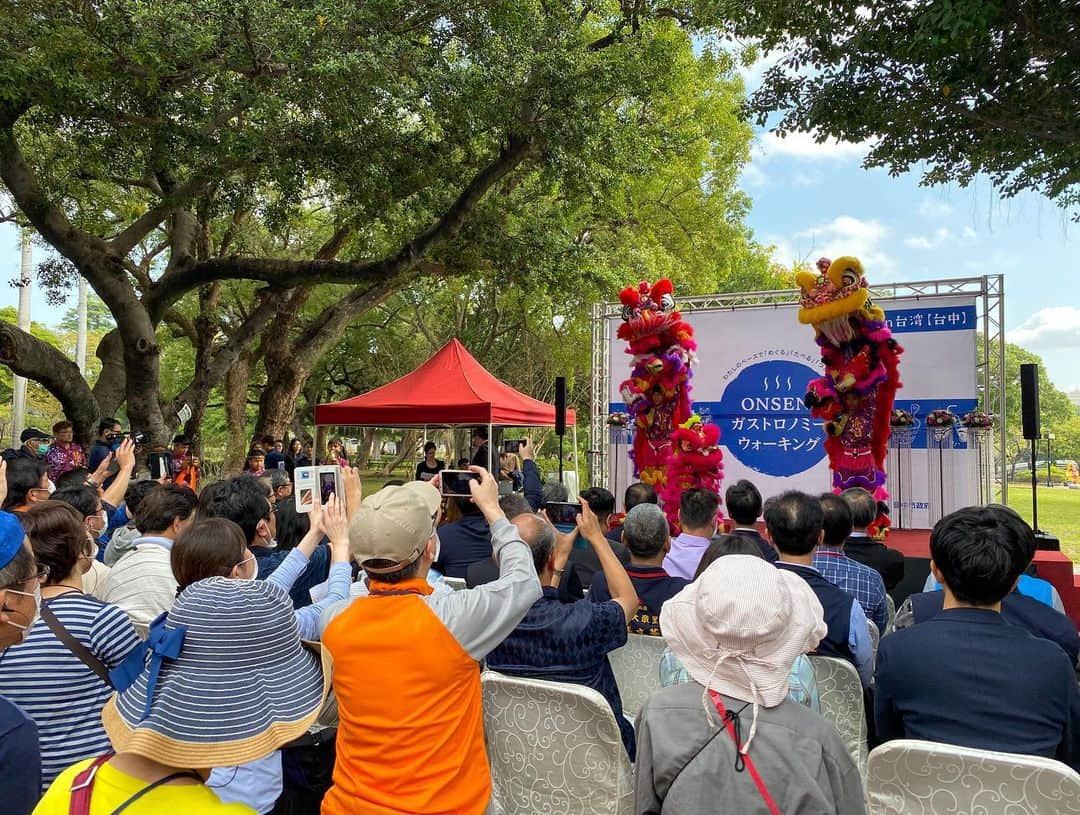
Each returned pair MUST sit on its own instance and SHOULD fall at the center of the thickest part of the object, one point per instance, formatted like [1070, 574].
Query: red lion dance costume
[862, 375]
[673, 450]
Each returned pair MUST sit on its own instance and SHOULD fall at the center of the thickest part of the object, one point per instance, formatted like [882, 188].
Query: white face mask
[438, 548]
[36, 594]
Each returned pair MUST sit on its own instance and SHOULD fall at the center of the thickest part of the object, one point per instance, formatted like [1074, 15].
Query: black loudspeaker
[560, 405]
[1029, 401]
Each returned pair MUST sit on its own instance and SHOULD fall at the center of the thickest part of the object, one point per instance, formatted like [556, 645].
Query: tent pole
[491, 462]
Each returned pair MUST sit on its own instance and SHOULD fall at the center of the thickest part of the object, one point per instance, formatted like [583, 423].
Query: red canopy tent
[451, 388]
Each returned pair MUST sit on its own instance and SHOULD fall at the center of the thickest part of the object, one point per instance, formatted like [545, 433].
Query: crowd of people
[216, 649]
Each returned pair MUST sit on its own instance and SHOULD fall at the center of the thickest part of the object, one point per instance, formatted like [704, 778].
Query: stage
[1049, 565]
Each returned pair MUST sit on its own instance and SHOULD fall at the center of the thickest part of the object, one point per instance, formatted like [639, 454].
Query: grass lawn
[1059, 514]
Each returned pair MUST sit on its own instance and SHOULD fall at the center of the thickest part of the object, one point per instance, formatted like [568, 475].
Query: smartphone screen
[562, 512]
[327, 485]
[159, 465]
[281, 465]
[456, 482]
[512, 445]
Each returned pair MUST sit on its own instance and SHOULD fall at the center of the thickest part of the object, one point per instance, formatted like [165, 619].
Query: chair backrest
[875, 640]
[554, 747]
[842, 703]
[890, 607]
[456, 583]
[637, 670]
[908, 777]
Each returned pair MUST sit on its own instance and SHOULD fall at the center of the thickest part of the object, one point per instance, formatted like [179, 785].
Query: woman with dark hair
[726, 545]
[87, 502]
[64, 690]
[64, 454]
[292, 526]
[430, 466]
[335, 453]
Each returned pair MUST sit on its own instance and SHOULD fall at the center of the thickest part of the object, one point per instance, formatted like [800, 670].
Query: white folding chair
[890, 608]
[637, 670]
[841, 696]
[456, 583]
[909, 777]
[554, 748]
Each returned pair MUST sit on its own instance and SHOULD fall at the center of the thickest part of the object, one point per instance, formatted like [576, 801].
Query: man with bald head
[646, 534]
[541, 536]
[569, 642]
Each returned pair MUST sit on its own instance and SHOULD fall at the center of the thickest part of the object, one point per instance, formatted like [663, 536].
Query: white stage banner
[754, 366]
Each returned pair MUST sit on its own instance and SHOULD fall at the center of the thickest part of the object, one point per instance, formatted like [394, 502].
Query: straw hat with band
[393, 526]
[226, 679]
[739, 628]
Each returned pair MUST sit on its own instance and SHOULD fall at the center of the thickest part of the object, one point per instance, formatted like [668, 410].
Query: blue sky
[812, 200]
[815, 199]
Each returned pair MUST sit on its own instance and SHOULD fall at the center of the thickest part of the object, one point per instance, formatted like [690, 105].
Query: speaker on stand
[1031, 426]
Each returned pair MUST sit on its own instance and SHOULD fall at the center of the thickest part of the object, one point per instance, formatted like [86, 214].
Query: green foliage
[964, 86]
[1056, 411]
[41, 408]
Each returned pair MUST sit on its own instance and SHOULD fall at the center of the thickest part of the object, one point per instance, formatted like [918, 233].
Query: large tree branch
[223, 359]
[174, 283]
[35, 359]
[47, 218]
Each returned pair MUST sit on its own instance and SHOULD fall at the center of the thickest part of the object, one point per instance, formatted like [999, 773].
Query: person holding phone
[467, 540]
[569, 642]
[430, 466]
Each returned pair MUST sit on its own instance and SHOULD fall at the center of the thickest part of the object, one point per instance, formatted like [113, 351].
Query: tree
[134, 136]
[964, 86]
[665, 202]
[41, 408]
[1055, 408]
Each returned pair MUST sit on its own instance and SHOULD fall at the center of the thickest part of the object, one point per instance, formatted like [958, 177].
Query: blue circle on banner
[763, 420]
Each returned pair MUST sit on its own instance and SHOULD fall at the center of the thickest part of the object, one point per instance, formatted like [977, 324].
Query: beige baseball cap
[394, 525]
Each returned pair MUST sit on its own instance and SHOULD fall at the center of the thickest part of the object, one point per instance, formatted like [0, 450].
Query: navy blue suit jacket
[463, 543]
[967, 677]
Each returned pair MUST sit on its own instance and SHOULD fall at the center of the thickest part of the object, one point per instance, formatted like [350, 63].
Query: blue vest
[836, 604]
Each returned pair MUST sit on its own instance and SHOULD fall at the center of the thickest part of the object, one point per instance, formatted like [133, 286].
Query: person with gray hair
[646, 534]
[860, 547]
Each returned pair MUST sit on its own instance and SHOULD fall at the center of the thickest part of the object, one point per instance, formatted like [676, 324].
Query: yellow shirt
[112, 788]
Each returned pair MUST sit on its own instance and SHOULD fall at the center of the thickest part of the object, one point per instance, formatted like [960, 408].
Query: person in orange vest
[406, 660]
[185, 467]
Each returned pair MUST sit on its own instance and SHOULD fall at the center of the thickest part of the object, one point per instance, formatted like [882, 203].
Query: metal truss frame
[989, 291]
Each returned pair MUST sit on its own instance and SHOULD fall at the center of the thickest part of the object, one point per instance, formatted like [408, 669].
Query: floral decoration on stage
[901, 418]
[862, 374]
[669, 441]
[940, 418]
[977, 420]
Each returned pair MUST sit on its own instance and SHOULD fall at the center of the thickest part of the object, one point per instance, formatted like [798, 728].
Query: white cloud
[844, 235]
[803, 146]
[810, 178]
[1052, 327]
[968, 233]
[930, 208]
[753, 175]
[939, 236]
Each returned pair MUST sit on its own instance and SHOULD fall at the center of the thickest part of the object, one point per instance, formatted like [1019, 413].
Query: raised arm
[621, 589]
[481, 618]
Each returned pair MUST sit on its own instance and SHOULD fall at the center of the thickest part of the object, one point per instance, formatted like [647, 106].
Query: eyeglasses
[41, 576]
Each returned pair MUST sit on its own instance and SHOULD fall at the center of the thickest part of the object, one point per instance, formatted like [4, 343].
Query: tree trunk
[236, 383]
[363, 455]
[277, 403]
[111, 382]
[410, 440]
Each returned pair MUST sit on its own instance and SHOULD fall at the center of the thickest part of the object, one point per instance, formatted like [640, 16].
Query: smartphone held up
[311, 484]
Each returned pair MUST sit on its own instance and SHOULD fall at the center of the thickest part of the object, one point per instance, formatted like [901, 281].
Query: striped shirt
[61, 694]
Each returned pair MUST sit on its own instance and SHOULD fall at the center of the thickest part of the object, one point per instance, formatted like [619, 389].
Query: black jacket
[889, 563]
